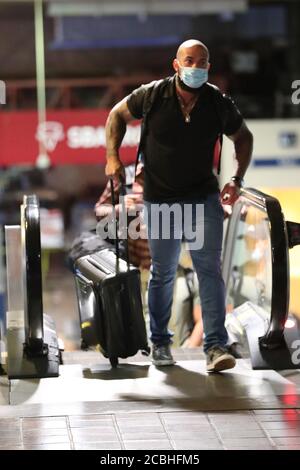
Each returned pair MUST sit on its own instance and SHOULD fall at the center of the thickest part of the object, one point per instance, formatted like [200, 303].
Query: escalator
[256, 274]
[255, 270]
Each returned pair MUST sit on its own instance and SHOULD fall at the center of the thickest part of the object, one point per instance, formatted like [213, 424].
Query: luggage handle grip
[99, 266]
[84, 279]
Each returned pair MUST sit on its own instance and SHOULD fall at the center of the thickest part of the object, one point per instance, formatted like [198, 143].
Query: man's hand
[114, 168]
[230, 193]
[133, 202]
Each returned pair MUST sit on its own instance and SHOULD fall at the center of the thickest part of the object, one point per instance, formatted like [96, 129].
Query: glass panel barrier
[251, 270]
[256, 269]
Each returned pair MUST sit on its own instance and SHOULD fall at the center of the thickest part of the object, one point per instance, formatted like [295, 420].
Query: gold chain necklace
[187, 108]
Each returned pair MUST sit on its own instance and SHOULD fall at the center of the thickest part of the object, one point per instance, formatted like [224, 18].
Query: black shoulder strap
[153, 91]
[150, 96]
[219, 108]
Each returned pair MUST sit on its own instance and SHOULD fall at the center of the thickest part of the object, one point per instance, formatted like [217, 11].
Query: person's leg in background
[181, 321]
[196, 337]
[164, 255]
[193, 337]
[207, 264]
[186, 318]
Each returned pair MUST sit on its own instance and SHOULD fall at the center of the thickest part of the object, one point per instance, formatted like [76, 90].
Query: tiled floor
[175, 430]
[138, 406]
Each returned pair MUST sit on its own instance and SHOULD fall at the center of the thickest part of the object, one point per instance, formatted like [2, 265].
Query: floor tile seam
[270, 439]
[163, 423]
[115, 429]
[101, 424]
[21, 431]
[118, 431]
[214, 427]
[44, 447]
[70, 435]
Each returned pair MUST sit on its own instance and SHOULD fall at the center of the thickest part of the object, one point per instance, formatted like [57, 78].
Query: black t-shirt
[178, 156]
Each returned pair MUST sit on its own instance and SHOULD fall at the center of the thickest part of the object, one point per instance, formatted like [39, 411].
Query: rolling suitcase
[110, 303]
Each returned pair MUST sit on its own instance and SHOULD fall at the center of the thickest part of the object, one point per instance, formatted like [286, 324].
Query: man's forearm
[243, 153]
[115, 130]
[105, 210]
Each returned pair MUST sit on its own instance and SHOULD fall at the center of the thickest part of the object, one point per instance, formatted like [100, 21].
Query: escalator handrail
[31, 248]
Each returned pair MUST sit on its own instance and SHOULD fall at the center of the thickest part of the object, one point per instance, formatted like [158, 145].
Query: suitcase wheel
[114, 361]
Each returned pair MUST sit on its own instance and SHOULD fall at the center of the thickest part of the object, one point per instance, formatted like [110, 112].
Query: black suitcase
[110, 304]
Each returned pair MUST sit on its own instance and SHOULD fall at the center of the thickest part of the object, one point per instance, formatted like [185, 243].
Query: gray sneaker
[161, 355]
[218, 359]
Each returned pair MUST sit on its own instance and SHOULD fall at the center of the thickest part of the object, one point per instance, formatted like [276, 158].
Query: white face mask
[193, 77]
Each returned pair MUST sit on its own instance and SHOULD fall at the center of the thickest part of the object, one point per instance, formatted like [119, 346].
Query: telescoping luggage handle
[114, 214]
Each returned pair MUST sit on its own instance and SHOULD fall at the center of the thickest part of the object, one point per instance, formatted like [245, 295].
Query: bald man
[183, 117]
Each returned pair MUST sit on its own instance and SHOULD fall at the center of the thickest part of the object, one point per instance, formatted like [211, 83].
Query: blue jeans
[206, 261]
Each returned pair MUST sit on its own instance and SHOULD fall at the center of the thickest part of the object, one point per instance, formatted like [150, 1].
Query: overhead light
[290, 323]
[146, 7]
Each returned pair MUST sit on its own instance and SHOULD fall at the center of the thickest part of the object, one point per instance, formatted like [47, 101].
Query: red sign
[69, 137]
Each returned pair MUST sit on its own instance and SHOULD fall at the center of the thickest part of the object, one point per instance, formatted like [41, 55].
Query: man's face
[195, 56]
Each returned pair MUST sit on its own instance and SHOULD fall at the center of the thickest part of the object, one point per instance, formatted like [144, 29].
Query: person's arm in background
[103, 206]
[104, 210]
[243, 145]
[115, 130]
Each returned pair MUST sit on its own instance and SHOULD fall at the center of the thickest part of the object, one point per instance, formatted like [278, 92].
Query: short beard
[184, 87]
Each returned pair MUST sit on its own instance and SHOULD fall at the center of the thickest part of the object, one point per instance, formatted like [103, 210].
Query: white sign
[50, 133]
[2, 92]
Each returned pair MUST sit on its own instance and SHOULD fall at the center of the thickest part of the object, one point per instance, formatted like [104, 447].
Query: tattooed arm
[115, 130]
